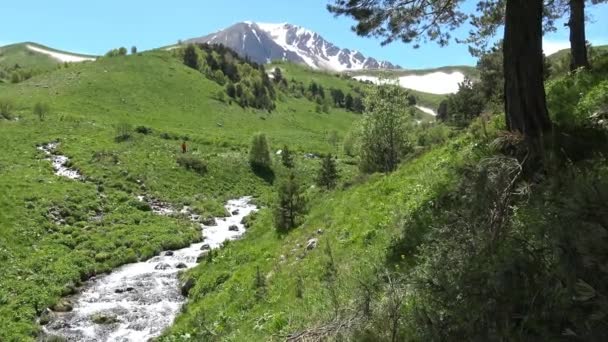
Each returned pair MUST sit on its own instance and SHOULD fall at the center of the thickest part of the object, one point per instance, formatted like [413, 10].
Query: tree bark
[525, 102]
[578, 42]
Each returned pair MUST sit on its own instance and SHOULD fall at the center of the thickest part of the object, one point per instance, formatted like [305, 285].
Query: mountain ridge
[267, 42]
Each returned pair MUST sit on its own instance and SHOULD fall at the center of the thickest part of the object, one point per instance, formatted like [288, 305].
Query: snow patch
[427, 110]
[440, 83]
[62, 57]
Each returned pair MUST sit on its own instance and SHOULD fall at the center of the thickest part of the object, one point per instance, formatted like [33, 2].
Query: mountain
[264, 43]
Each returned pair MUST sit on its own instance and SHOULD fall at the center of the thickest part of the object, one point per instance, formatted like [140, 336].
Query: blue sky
[97, 26]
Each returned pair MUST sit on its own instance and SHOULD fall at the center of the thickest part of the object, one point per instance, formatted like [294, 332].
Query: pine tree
[191, 57]
[328, 173]
[349, 102]
[287, 158]
[416, 21]
[277, 75]
[290, 204]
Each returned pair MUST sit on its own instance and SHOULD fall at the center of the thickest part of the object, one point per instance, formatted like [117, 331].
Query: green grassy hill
[56, 233]
[105, 226]
[19, 58]
[560, 60]
[346, 83]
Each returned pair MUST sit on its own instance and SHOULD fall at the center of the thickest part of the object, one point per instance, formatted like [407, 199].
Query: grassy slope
[356, 222]
[26, 58]
[565, 53]
[38, 258]
[347, 84]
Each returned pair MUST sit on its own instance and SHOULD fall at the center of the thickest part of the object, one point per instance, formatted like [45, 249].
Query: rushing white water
[59, 162]
[143, 298]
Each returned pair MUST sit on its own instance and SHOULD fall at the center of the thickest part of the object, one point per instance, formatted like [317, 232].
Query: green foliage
[41, 110]
[121, 51]
[465, 105]
[327, 176]
[133, 50]
[575, 97]
[351, 142]
[259, 153]
[6, 108]
[491, 78]
[192, 163]
[290, 204]
[191, 57]
[383, 138]
[124, 132]
[143, 130]
[287, 158]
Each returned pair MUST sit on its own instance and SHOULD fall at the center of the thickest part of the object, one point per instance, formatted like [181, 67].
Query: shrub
[143, 130]
[41, 110]
[383, 138]
[259, 155]
[193, 164]
[6, 109]
[123, 132]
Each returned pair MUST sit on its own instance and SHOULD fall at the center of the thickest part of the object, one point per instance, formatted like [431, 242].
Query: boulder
[45, 317]
[187, 286]
[205, 247]
[181, 266]
[62, 306]
[169, 253]
[162, 266]
[319, 231]
[312, 244]
[235, 212]
[104, 319]
[233, 228]
[209, 222]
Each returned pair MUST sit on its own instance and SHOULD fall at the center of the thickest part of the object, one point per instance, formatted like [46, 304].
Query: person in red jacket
[184, 147]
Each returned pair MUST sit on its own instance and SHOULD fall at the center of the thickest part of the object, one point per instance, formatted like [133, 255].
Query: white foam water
[59, 162]
[143, 298]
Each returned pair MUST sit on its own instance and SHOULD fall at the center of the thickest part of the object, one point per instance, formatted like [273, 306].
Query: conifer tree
[328, 173]
[290, 204]
[287, 158]
[191, 57]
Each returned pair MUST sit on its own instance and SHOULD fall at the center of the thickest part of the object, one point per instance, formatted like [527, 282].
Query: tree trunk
[578, 43]
[525, 102]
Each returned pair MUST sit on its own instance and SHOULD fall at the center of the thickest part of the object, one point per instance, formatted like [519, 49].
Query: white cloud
[552, 46]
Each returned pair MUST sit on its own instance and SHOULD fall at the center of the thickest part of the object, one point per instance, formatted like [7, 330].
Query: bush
[41, 110]
[6, 109]
[383, 140]
[193, 164]
[259, 155]
[123, 132]
[143, 130]
[573, 98]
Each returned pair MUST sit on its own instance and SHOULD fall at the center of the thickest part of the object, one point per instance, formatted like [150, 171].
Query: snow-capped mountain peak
[265, 42]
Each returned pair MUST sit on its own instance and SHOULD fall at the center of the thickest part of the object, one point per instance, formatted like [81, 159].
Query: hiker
[184, 148]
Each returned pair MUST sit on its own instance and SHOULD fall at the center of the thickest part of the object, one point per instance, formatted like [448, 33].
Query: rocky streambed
[138, 301]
